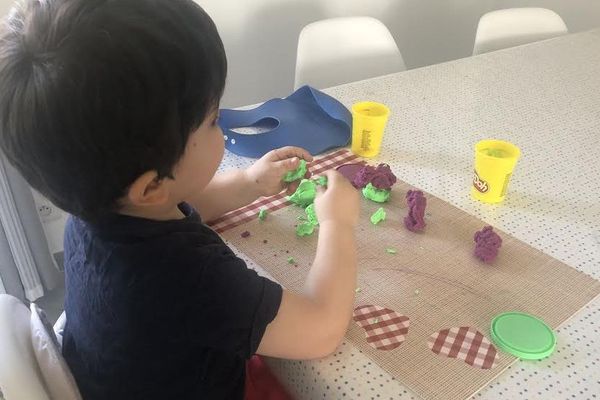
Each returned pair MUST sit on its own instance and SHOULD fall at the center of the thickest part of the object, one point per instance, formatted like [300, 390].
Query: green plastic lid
[523, 335]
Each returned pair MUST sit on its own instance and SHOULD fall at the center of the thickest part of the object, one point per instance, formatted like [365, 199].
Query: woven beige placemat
[433, 283]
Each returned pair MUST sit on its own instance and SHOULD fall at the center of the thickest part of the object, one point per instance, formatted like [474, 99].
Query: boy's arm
[234, 189]
[312, 324]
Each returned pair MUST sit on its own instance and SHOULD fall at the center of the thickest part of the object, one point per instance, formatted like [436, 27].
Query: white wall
[4, 6]
[260, 36]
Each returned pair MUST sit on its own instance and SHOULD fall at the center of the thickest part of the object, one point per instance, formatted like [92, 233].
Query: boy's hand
[266, 175]
[339, 202]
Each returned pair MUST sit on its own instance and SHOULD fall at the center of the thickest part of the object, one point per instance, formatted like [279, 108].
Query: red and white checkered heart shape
[464, 343]
[384, 329]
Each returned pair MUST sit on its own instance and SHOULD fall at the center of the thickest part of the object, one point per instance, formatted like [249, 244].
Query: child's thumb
[321, 190]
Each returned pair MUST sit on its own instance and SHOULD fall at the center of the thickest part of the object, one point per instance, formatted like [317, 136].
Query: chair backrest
[31, 363]
[340, 50]
[20, 376]
[516, 26]
[59, 327]
[59, 381]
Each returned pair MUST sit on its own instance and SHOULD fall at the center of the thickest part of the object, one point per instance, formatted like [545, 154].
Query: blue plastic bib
[307, 118]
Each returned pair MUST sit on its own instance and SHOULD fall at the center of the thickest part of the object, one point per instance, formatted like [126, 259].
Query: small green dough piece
[377, 195]
[357, 290]
[296, 174]
[305, 229]
[321, 181]
[391, 251]
[291, 260]
[378, 216]
[262, 214]
[311, 214]
[305, 194]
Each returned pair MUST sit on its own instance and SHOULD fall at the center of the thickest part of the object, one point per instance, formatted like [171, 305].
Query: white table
[544, 97]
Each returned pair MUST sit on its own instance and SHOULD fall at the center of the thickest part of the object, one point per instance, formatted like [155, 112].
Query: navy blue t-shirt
[160, 310]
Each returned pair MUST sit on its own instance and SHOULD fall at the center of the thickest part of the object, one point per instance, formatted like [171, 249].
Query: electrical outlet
[44, 210]
[47, 211]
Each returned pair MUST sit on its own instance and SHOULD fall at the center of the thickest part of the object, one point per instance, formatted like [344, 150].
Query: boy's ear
[148, 190]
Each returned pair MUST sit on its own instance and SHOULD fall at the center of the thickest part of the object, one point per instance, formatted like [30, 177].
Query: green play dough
[378, 195]
[305, 229]
[262, 214]
[296, 174]
[378, 216]
[305, 194]
[321, 181]
[311, 214]
[308, 228]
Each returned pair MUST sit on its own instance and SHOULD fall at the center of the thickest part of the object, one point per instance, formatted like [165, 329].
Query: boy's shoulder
[131, 241]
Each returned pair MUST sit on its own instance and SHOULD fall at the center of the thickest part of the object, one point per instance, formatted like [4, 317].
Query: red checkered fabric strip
[249, 212]
[384, 329]
[464, 343]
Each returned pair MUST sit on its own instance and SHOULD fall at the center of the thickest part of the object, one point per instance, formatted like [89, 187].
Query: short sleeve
[229, 305]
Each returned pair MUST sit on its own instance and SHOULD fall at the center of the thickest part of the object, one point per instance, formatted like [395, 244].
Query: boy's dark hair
[93, 93]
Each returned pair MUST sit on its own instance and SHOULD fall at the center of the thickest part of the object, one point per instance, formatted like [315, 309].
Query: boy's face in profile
[201, 159]
[150, 197]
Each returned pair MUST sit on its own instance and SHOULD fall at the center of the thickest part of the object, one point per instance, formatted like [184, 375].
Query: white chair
[340, 50]
[31, 364]
[516, 26]
[59, 328]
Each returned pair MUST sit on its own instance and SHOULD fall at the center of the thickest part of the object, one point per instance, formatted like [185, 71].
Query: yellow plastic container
[368, 124]
[495, 161]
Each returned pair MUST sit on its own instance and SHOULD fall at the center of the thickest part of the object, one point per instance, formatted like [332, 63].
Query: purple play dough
[487, 244]
[350, 171]
[415, 220]
[381, 177]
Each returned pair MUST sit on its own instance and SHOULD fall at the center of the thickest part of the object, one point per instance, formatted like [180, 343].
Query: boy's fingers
[291, 188]
[332, 180]
[288, 164]
[333, 177]
[291, 151]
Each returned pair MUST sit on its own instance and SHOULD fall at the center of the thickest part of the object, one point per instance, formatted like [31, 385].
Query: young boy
[109, 108]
